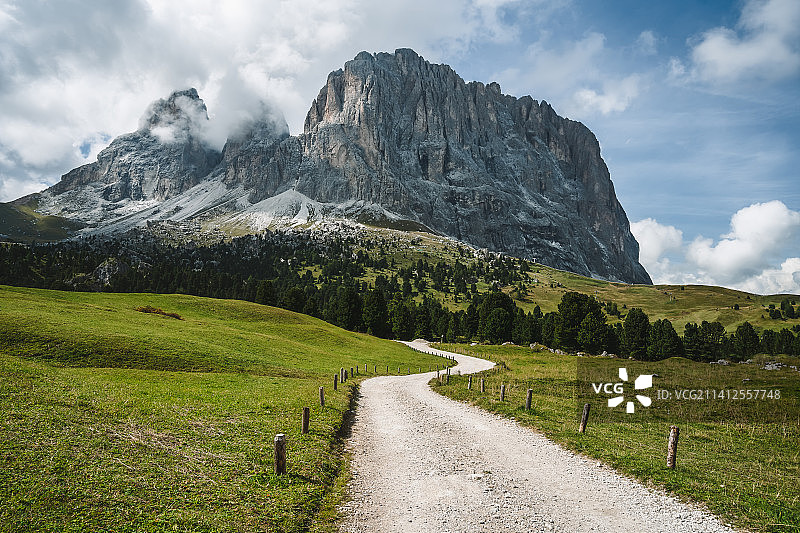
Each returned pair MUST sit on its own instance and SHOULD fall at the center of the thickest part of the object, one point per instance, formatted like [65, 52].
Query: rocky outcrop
[264, 159]
[390, 139]
[465, 160]
[163, 158]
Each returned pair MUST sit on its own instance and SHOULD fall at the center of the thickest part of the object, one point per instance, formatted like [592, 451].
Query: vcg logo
[644, 381]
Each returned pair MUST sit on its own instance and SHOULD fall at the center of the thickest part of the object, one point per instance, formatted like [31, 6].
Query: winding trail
[424, 463]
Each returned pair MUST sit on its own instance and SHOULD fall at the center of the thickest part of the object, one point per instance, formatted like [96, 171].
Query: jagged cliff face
[162, 159]
[263, 160]
[390, 138]
[466, 160]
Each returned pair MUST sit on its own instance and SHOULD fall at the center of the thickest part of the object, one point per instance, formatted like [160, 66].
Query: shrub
[158, 311]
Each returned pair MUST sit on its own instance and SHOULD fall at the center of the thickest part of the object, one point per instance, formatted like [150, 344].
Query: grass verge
[746, 472]
[117, 420]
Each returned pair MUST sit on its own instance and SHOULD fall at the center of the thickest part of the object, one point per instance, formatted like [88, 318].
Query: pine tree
[375, 314]
[692, 342]
[592, 333]
[745, 341]
[497, 327]
[636, 331]
[572, 310]
[663, 341]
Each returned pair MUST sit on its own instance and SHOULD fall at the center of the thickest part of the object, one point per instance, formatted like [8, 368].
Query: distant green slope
[544, 286]
[120, 420]
[678, 303]
[20, 223]
[105, 330]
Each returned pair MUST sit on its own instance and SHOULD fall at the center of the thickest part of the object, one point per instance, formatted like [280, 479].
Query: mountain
[165, 157]
[391, 140]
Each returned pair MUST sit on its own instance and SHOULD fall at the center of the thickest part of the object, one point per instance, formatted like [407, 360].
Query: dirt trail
[424, 463]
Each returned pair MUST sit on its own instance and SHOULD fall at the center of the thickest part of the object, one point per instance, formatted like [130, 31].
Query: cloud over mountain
[749, 257]
[764, 45]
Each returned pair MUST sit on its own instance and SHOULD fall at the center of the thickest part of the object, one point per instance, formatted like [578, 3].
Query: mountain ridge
[390, 139]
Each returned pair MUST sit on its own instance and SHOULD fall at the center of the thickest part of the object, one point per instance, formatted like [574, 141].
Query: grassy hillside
[121, 420]
[321, 261]
[544, 286]
[20, 223]
[678, 303]
[738, 457]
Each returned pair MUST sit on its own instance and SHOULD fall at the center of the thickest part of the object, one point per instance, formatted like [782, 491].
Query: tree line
[326, 280]
[580, 324]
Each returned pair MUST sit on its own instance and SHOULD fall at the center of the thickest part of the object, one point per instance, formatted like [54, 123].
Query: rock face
[391, 138]
[162, 159]
[263, 159]
[467, 161]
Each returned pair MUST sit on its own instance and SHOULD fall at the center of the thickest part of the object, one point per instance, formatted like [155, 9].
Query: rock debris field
[424, 463]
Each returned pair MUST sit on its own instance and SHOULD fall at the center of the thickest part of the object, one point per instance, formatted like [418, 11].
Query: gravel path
[424, 463]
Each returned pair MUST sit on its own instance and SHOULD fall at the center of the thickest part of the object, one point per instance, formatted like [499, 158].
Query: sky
[695, 104]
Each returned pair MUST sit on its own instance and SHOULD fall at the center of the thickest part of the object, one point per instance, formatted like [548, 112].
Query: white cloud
[676, 70]
[615, 98]
[574, 75]
[758, 232]
[656, 239]
[555, 70]
[73, 71]
[783, 280]
[764, 45]
[752, 256]
[11, 189]
[657, 243]
[647, 43]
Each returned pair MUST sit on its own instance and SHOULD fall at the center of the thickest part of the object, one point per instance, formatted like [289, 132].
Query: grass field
[115, 419]
[545, 286]
[743, 465]
[21, 223]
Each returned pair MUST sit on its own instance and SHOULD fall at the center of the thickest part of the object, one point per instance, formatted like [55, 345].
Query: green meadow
[21, 223]
[118, 419]
[740, 459]
[544, 286]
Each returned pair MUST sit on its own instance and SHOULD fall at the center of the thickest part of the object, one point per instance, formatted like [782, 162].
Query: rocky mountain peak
[248, 158]
[178, 118]
[391, 140]
[163, 158]
[500, 172]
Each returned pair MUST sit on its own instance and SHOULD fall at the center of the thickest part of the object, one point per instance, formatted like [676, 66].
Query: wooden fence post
[528, 399]
[342, 375]
[322, 396]
[483, 387]
[375, 369]
[503, 392]
[365, 368]
[335, 381]
[584, 418]
[280, 454]
[469, 383]
[306, 419]
[672, 446]
[351, 372]
[447, 379]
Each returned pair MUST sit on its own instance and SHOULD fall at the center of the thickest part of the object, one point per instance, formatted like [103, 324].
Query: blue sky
[695, 104]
